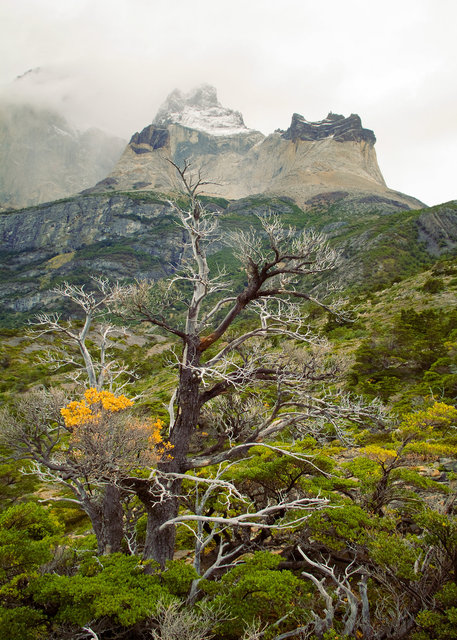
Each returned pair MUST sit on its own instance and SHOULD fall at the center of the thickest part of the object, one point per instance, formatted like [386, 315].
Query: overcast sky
[111, 63]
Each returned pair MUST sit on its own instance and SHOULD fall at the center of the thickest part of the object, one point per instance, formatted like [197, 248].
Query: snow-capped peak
[200, 109]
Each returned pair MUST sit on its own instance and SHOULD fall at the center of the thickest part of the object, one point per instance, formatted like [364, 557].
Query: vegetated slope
[380, 240]
[403, 344]
[134, 235]
[391, 505]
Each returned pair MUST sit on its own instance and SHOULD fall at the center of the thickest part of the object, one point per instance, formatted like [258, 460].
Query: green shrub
[22, 623]
[256, 591]
[113, 587]
[28, 534]
[433, 285]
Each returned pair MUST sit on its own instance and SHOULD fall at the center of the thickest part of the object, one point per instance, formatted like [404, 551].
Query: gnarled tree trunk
[160, 540]
[106, 517]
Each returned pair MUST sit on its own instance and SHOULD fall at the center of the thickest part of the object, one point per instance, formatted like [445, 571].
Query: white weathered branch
[343, 588]
[254, 519]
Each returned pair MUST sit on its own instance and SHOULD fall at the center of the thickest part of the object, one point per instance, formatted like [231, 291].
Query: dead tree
[279, 265]
[215, 525]
[87, 350]
[341, 596]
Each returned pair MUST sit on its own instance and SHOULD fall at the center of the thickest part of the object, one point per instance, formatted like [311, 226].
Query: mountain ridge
[133, 235]
[308, 159]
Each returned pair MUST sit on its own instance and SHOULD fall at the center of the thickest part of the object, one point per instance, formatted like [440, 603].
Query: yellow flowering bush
[379, 454]
[156, 439]
[436, 420]
[80, 412]
[107, 439]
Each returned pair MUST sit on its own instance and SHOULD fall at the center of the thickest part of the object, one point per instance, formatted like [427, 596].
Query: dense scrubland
[300, 482]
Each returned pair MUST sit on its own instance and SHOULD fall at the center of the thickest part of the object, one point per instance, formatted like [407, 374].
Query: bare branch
[252, 519]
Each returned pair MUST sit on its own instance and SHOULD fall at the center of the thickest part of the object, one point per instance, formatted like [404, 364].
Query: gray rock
[448, 464]
[334, 126]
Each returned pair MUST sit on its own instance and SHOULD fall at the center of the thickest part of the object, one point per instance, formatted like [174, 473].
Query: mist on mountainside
[45, 156]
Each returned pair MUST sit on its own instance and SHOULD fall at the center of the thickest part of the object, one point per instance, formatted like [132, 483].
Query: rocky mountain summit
[200, 109]
[310, 158]
[334, 126]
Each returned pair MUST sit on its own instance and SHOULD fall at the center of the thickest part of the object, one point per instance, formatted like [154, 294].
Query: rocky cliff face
[135, 235]
[308, 159]
[73, 239]
[43, 158]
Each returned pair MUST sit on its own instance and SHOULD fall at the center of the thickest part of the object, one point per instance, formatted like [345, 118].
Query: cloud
[110, 63]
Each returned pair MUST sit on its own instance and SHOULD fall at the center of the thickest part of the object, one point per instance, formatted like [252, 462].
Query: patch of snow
[61, 132]
[199, 109]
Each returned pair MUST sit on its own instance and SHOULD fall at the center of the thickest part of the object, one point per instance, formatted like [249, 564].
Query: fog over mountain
[44, 158]
[332, 155]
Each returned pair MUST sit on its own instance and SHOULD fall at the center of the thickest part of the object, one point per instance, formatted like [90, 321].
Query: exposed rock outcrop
[438, 229]
[334, 126]
[150, 139]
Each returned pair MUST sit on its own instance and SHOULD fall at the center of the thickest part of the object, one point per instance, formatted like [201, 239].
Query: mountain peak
[200, 109]
[333, 155]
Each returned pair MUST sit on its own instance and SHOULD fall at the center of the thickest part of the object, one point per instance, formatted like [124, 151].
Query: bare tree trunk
[159, 545]
[107, 520]
[365, 624]
[112, 520]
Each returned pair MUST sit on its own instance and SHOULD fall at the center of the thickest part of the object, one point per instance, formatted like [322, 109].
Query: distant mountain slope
[42, 158]
[321, 175]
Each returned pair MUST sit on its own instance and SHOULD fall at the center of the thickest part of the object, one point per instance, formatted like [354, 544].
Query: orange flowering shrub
[156, 440]
[107, 440]
[77, 413]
